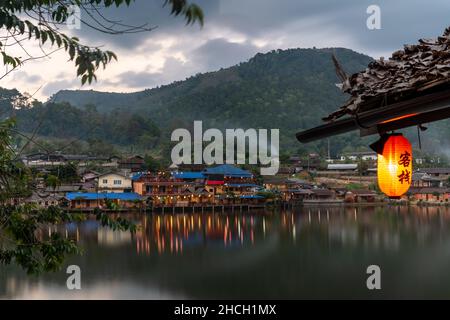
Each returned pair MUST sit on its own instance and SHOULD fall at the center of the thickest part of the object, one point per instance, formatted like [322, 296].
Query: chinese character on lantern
[395, 166]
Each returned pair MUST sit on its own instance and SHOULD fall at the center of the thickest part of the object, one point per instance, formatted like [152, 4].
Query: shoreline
[241, 208]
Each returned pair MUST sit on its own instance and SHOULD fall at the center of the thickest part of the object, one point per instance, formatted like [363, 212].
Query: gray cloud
[172, 69]
[403, 20]
[220, 53]
[235, 30]
[21, 75]
[56, 86]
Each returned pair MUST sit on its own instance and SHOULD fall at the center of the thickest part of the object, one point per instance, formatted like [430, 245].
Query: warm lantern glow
[395, 166]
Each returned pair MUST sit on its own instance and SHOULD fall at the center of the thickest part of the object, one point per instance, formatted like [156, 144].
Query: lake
[301, 254]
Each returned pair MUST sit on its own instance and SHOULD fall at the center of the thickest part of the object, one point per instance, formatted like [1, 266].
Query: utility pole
[329, 155]
[360, 169]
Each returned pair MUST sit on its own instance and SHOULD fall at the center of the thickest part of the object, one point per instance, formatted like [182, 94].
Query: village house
[340, 169]
[114, 182]
[343, 167]
[56, 159]
[286, 170]
[442, 173]
[429, 194]
[289, 188]
[194, 177]
[132, 164]
[277, 183]
[309, 195]
[89, 175]
[228, 179]
[161, 190]
[44, 200]
[357, 156]
[89, 201]
[323, 194]
[89, 180]
[111, 163]
[360, 195]
[61, 190]
[213, 185]
[156, 185]
[422, 179]
[297, 195]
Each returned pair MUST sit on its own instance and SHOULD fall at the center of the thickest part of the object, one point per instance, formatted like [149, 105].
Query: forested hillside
[286, 89]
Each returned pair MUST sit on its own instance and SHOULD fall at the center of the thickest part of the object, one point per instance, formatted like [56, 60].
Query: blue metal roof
[228, 170]
[137, 176]
[188, 175]
[127, 196]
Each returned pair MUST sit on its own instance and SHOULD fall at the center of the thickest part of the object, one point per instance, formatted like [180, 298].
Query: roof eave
[424, 109]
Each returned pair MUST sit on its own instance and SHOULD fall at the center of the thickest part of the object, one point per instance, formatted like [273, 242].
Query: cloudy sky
[234, 31]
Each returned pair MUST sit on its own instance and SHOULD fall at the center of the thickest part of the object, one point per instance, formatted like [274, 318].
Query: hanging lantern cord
[418, 136]
[420, 128]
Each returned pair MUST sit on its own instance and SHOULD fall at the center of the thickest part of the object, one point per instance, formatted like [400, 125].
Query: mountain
[286, 89]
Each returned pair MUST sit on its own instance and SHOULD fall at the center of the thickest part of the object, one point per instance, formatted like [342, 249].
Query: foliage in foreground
[23, 240]
[41, 20]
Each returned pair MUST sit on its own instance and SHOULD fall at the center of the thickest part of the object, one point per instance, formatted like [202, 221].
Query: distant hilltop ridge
[291, 64]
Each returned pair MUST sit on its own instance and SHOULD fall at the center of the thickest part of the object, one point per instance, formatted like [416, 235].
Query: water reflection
[307, 253]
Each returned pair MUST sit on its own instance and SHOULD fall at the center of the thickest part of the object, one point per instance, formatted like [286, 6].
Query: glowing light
[395, 166]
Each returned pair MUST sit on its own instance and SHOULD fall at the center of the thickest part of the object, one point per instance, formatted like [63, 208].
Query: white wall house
[364, 156]
[343, 167]
[114, 182]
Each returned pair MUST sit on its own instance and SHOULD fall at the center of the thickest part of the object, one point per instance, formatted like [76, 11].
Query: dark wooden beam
[425, 109]
[412, 121]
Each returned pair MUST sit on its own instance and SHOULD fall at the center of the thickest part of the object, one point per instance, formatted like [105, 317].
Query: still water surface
[301, 254]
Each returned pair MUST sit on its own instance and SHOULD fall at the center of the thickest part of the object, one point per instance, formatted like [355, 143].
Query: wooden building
[88, 201]
[114, 182]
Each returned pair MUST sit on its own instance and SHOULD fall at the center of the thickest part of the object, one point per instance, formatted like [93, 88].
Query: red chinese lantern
[394, 165]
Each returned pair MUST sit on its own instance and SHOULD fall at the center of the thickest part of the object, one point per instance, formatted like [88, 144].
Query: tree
[19, 240]
[52, 181]
[42, 21]
[66, 173]
[151, 164]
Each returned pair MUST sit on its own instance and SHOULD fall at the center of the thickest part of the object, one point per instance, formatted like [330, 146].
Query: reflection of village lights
[264, 226]
[225, 232]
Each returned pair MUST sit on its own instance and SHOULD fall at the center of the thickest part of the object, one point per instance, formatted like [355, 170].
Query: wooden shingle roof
[414, 71]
